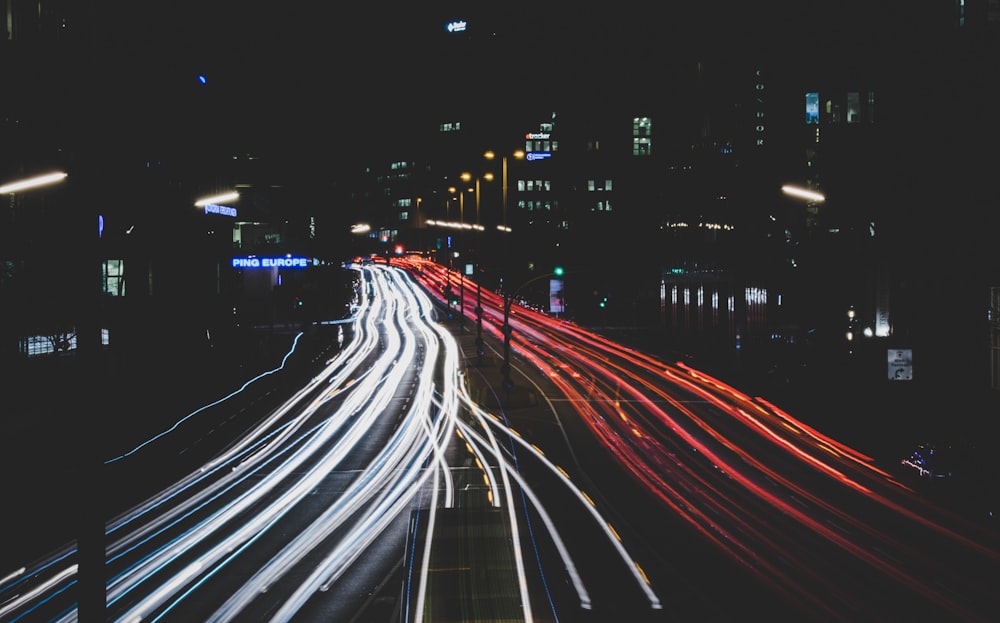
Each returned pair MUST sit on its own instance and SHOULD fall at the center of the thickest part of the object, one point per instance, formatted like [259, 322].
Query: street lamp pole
[447, 218]
[33, 182]
[479, 288]
[467, 177]
[89, 484]
[508, 384]
[508, 300]
[461, 270]
[420, 228]
[490, 155]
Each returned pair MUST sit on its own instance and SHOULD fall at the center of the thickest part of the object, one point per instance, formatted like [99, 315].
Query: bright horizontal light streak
[13, 574]
[393, 364]
[803, 193]
[160, 596]
[222, 198]
[398, 464]
[32, 182]
[41, 589]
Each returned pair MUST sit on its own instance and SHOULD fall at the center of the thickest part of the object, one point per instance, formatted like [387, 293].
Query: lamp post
[13, 190]
[32, 182]
[461, 269]
[89, 483]
[447, 217]
[803, 193]
[508, 299]
[420, 228]
[490, 155]
[479, 289]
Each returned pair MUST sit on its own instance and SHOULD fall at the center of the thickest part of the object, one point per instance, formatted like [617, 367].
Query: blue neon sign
[270, 262]
[212, 208]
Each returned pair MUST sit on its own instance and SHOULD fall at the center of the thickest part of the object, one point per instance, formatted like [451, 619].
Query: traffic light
[558, 271]
[604, 302]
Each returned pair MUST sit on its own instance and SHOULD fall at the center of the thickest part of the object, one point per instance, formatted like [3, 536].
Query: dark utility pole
[508, 297]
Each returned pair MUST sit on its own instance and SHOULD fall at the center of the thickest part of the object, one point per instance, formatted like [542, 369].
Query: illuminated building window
[853, 107]
[812, 107]
[642, 136]
[113, 277]
[534, 185]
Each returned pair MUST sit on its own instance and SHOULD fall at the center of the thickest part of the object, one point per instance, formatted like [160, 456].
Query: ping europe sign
[270, 262]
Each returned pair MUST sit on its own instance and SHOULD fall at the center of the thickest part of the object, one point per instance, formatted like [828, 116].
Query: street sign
[900, 364]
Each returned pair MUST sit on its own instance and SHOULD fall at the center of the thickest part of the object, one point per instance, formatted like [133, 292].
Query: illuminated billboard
[557, 302]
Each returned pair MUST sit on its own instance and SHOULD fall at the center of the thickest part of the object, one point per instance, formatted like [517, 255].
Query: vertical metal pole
[461, 270]
[507, 383]
[479, 296]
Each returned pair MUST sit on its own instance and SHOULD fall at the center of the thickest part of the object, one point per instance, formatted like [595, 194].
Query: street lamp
[32, 182]
[461, 268]
[420, 227]
[480, 350]
[16, 188]
[803, 193]
[508, 299]
[490, 155]
[461, 244]
[217, 199]
[90, 541]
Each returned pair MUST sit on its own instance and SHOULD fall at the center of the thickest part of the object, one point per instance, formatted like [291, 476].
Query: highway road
[796, 522]
[404, 481]
[317, 489]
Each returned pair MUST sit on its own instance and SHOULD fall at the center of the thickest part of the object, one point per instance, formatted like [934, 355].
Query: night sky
[284, 77]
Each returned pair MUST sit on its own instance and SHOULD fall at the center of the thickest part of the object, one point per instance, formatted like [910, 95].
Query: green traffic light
[558, 271]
